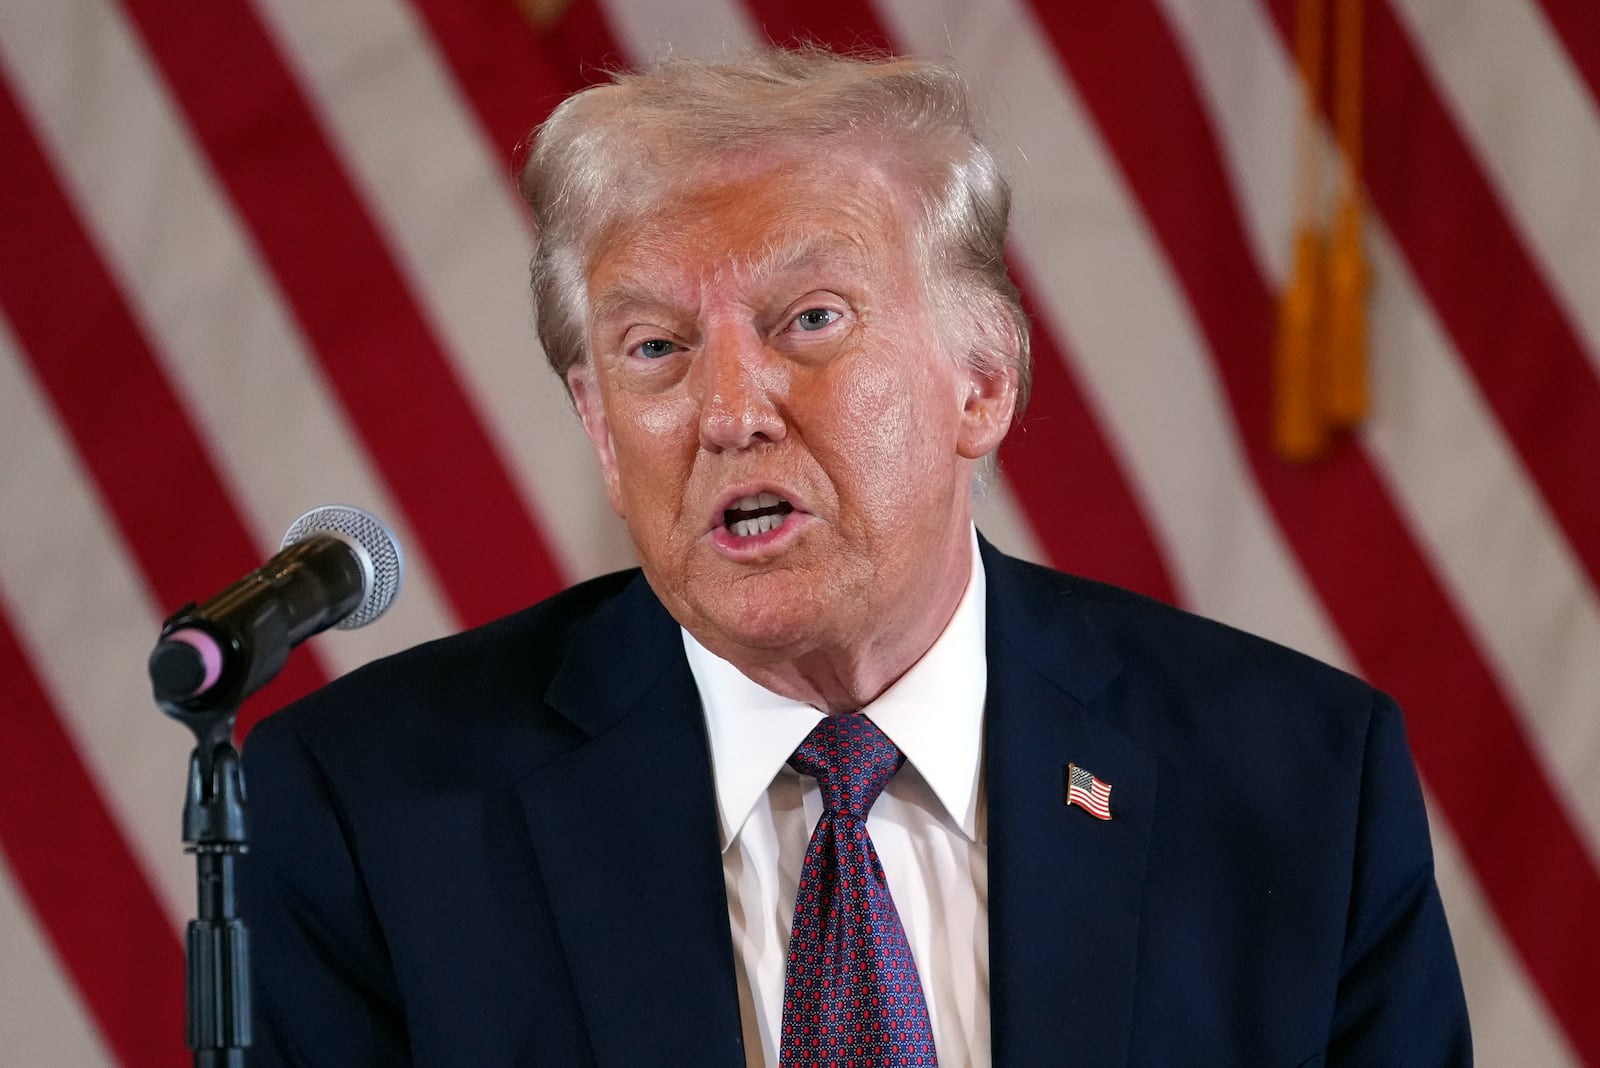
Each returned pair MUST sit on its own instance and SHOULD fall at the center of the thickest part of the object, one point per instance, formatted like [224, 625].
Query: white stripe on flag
[705, 29]
[1468, 501]
[89, 656]
[1534, 128]
[42, 1022]
[442, 196]
[1512, 577]
[1257, 128]
[213, 313]
[1105, 289]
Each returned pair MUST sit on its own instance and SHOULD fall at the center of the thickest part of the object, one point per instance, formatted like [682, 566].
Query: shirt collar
[934, 713]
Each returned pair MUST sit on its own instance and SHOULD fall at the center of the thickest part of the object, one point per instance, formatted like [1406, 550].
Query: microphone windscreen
[382, 564]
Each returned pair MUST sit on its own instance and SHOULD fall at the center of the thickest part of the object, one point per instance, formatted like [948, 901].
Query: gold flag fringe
[1320, 363]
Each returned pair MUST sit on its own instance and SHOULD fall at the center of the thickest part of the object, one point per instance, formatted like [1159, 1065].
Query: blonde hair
[611, 152]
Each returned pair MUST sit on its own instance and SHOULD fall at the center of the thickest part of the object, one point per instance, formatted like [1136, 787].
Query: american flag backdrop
[256, 257]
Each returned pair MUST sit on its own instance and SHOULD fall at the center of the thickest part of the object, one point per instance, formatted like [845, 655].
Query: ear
[990, 401]
[586, 397]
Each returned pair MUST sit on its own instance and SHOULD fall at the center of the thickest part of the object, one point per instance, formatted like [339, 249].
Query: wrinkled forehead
[749, 224]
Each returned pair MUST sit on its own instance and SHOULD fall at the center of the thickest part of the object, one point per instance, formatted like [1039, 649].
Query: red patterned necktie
[851, 994]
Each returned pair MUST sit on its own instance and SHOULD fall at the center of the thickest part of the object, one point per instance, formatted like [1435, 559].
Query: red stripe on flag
[99, 911]
[500, 63]
[381, 356]
[1530, 860]
[582, 40]
[127, 425]
[842, 25]
[1577, 23]
[1477, 273]
[1069, 482]
[512, 72]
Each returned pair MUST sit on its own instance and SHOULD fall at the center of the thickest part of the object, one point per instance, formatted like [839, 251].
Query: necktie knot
[852, 761]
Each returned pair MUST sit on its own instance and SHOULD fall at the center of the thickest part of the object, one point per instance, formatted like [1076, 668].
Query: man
[611, 829]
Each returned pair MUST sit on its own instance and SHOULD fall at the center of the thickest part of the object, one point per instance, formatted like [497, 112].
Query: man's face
[777, 420]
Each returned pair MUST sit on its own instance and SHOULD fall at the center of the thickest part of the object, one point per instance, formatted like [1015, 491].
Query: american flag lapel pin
[1088, 792]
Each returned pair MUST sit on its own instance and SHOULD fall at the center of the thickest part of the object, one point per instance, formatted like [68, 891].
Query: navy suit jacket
[501, 849]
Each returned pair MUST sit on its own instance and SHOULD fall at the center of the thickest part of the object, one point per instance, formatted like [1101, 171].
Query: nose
[740, 384]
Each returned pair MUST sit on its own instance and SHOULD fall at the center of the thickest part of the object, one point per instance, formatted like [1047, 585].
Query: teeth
[749, 528]
[757, 500]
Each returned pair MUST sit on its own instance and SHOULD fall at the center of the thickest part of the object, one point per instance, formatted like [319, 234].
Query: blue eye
[817, 318]
[655, 348]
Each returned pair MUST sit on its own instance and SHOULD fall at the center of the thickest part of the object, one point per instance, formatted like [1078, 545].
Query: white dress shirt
[928, 827]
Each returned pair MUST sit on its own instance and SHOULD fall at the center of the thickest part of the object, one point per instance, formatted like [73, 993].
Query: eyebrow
[774, 259]
[783, 254]
[623, 297]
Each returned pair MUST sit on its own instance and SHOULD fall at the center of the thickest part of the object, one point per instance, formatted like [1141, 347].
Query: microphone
[337, 566]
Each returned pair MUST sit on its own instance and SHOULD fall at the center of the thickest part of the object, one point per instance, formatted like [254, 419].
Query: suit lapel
[624, 828]
[1064, 887]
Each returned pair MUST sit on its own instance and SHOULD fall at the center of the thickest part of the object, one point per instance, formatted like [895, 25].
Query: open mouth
[756, 514]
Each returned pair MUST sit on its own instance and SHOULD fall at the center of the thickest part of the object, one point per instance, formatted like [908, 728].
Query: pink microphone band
[210, 654]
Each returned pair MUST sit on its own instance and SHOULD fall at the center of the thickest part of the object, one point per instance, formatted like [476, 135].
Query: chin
[773, 624]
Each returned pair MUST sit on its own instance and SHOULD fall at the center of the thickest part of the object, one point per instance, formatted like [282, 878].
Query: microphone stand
[217, 998]
[209, 658]
[250, 626]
